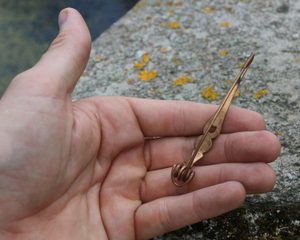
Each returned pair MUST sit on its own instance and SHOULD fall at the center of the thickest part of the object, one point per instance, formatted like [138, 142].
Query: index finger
[184, 118]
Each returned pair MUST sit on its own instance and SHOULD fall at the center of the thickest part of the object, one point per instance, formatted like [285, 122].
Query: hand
[90, 170]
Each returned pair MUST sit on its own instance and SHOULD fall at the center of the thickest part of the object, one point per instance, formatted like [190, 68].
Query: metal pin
[183, 173]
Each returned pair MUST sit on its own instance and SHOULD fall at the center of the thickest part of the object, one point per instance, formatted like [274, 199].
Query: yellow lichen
[210, 93]
[225, 24]
[181, 80]
[163, 24]
[176, 60]
[242, 65]
[130, 82]
[140, 5]
[98, 58]
[279, 133]
[174, 25]
[146, 75]
[228, 81]
[143, 62]
[237, 93]
[171, 3]
[261, 93]
[146, 58]
[157, 3]
[139, 65]
[297, 59]
[208, 10]
[223, 52]
[165, 49]
[171, 10]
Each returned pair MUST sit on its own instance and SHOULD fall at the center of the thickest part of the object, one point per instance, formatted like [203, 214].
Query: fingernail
[63, 16]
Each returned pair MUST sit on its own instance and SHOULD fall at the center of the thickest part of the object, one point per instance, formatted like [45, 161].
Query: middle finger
[235, 147]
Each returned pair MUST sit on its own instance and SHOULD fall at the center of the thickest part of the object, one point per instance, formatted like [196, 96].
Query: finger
[181, 118]
[255, 177]
[60, 67]
[251, 146]
[170, 213]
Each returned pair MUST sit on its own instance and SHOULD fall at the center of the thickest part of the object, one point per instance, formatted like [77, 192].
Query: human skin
[89, 169]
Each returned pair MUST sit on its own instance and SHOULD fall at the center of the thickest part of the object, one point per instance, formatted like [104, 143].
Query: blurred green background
[28, 26]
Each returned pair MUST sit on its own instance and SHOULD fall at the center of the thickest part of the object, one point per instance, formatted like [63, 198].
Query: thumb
[67, 56]
[60, 67]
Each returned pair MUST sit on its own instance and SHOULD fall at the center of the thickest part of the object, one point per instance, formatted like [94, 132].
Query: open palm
[99, 168]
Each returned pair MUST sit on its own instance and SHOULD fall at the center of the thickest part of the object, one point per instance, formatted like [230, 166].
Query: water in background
[27, 28]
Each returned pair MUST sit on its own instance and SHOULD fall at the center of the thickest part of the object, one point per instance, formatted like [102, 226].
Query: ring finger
[256, 178]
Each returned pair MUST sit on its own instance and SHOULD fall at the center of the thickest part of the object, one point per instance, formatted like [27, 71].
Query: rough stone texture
[207, 41]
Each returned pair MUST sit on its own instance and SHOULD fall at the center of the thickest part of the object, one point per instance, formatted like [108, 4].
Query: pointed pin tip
[245, 67]
[249, 60]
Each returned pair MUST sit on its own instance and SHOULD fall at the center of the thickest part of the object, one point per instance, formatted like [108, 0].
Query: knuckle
[81, 44]
[59, 41]
[229, 149]
[179, 119]
[260, 121]
[148, 154]
[198, 207]
[165, 219]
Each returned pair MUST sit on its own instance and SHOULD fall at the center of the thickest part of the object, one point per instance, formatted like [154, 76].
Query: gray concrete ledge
[205, 42]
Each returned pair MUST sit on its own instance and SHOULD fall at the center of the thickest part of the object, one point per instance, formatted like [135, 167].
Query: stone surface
[206, 41]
